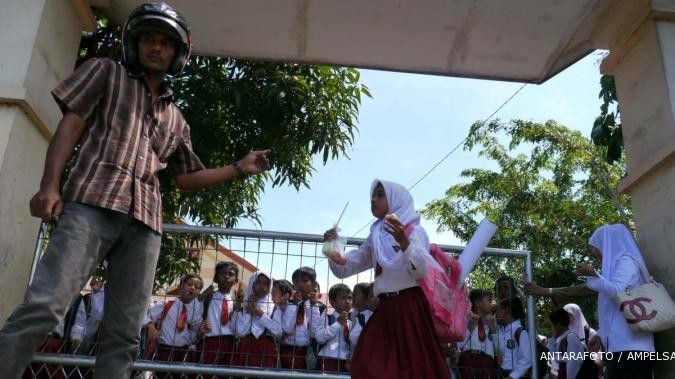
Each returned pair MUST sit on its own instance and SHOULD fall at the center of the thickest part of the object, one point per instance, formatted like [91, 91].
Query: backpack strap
[587, 332]
[516, 335]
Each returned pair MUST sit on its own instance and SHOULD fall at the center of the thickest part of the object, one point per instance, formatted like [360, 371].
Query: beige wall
[39, 40]
[645, 79]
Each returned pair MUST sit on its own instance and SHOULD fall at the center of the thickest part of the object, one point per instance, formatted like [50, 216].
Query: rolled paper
[473, 250]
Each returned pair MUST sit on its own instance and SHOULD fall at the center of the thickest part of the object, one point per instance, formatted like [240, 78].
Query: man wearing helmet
[109, 206]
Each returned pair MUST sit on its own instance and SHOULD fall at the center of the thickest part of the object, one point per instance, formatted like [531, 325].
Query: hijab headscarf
[614, 242]
[579, 323]
[400, 203]
[264, 303]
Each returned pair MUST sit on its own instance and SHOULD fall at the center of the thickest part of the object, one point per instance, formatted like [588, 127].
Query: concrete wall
[645, 79]
[39, 40]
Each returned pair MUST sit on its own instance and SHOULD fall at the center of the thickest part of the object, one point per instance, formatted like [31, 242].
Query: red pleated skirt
[256, 352]
[399, 341]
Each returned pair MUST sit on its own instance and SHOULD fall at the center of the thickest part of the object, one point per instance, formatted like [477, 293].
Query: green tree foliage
[233, 106]
[607, 126]
[547, 201]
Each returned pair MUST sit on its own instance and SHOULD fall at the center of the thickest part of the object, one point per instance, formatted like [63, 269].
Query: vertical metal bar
[38, 250]
[531, 324]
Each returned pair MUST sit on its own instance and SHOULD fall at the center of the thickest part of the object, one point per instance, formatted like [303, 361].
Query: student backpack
[447, 297]
[588, 369]
[542, 364]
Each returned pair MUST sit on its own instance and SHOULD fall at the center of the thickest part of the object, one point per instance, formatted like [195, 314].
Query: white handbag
[647, 308]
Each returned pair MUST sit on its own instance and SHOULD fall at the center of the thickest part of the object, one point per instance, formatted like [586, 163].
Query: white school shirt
[614, 330]
[330, 336]
[168, 333]
[363, 258]
[215, 312]
[355, 331]
[77, 330]
[247, 323]
[517, 356]
[96, 301]
[574, 346]
[472, 340]
[297, 335]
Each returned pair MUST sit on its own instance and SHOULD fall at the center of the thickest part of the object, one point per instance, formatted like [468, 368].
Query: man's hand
[206, 294]
[75, 344]
[47, 203]
[343, 317]
[297, 296]
[205, 327]
[255, 162]
[153, 333]
[586, 270]
[531, 288]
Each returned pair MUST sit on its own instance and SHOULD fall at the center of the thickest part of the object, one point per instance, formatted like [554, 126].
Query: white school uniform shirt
[614, 330]
[96, 301]
[356, 329]
[168, 333]
[215, 312]
[517, 356]
[297, 335]
[574, 346]
[393, 280]
[77, 330]
[472, 340]
[330, 335]
[267, 323]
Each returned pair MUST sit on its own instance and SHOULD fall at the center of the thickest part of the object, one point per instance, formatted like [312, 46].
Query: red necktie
[481, 330]
[182, 319]
[300, 317]
[345, 332]
[224, 313]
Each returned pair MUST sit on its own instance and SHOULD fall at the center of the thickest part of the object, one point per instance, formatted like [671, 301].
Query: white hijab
[579, 323]
[265, 303]
[401, 203]
[614, 242]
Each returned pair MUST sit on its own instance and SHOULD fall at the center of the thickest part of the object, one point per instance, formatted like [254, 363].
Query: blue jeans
[84, 236]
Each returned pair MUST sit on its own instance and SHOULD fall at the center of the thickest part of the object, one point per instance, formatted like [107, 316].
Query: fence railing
[278, 253]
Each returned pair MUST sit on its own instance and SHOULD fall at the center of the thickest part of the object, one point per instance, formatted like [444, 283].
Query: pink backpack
[449, 302]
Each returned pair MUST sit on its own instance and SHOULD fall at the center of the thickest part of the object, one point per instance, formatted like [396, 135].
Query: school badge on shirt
[511, 344]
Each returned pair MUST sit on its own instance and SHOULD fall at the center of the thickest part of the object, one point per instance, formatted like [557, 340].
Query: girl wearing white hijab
[578, 324]
[258, 325]
[399, 340]
[615, 247]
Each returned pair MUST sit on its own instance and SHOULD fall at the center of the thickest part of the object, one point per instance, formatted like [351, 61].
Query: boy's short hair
[338, 290]
[191, 276]
[515, 307]
[478, 294]
[284, 286]
[226, 265]
[363, 288]
[560, 317]
[302, 273]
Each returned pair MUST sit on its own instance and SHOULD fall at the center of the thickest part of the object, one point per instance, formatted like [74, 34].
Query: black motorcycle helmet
[144, 18]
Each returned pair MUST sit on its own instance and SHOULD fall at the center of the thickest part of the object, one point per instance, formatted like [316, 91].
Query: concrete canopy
[517, 40]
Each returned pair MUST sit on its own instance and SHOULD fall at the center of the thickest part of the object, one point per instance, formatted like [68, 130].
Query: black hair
[191, 276]
[363, 288]
[338, 290]
[560, 317]
[478, 294]
[515, 307]
[284, 286]
[225, 265]
[302, 273]
[512, 284]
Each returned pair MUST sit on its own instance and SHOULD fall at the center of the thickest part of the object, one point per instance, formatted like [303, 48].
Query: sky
[412, 122]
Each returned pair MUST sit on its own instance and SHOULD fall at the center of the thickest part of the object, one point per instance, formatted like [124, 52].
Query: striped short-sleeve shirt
[127, 141]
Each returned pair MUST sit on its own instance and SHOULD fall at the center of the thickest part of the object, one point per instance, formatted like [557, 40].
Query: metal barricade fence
[277, 253]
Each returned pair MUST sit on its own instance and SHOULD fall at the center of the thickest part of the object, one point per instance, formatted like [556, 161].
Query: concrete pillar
[39, 41]
[643, 64]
